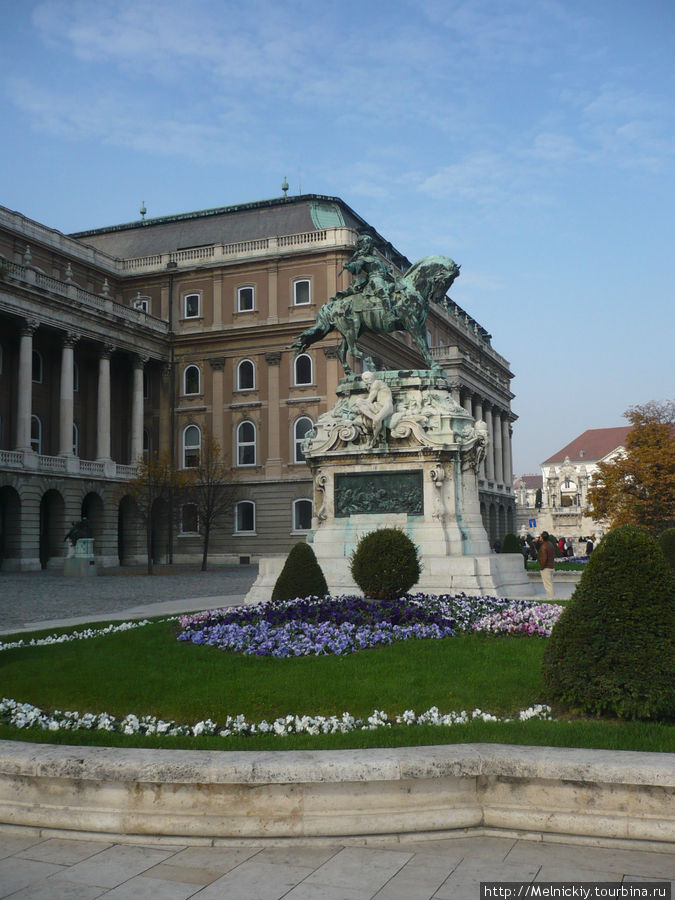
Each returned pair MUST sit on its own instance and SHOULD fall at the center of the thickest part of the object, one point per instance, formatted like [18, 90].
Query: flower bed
[314, 626]
[24, 715]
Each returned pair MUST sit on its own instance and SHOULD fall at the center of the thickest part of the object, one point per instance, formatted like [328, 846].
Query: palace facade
[153, 335]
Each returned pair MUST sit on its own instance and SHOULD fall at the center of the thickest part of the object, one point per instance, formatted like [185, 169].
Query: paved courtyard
[450, 869]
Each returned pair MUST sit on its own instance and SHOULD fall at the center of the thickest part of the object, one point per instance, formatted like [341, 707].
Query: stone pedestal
[417, 471]
[81, 563]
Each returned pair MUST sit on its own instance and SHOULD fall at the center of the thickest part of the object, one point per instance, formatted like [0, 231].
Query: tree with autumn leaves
[637, 487]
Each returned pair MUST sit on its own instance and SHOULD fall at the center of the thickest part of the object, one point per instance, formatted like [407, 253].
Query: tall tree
[156, 482]
[638, 486]
[210, 489]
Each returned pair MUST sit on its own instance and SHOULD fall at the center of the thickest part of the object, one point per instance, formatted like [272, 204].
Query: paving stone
[200, 865]
[421, 877]
[115, 865]
[16, 873]
[466, 878]
[578, 856]
[63, 852]
[361, 870]
[143, 888]
[13, 843]
[256, 880]
[61, 890]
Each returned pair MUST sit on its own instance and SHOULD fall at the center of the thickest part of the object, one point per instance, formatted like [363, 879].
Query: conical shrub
[612, 650]
[301, 575]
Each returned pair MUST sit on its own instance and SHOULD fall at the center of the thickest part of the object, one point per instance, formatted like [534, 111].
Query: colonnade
[66, 397]
[497, 467]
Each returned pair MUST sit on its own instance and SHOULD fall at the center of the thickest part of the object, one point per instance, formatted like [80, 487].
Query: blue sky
[531, 140]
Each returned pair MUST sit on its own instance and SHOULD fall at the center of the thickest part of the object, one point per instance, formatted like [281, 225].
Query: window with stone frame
[302, 369]
[301, 429]
[192, 445]
[246, 375]
[38, 367]
[191, 306]
[246, 298]
[191, 380]
[244, 517]
[246, 444]
[302, 515]
[189, 519]
[302, 292]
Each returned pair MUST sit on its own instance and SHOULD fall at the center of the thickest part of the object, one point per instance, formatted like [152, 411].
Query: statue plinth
[416, 472]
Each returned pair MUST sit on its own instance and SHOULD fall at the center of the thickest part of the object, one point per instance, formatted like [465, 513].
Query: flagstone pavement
[448, 869]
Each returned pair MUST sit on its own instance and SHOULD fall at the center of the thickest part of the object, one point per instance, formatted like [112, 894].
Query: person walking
[547, 564]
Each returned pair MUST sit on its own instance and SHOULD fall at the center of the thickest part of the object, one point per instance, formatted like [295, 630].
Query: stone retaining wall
[207, 795]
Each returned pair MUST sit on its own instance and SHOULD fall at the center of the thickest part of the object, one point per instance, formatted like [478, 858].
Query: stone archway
[502, 522]
[10, 529]
[52, 529]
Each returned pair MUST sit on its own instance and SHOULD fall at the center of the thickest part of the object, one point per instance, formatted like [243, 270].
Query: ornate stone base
[413, 468]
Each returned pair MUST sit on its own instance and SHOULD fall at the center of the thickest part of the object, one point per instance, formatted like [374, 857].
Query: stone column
[468, 403]
[66, 396]
[137, 409]
[506, 451]
[331, 374]
[497, 429]
[217, 364]
[25, 386]
[273, 461]
[489, 459]
[478, 414]
[103, 421]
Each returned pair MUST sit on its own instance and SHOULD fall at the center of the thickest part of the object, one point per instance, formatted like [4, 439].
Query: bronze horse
[382, 303]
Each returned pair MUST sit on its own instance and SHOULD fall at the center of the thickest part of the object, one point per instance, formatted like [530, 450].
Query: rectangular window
[245, 299]
[189, 522]
[191, 306]
[301, 292]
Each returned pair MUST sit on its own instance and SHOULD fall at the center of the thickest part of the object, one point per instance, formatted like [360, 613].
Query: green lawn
[147, 672]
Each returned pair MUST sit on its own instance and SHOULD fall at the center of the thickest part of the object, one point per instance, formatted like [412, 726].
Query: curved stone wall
[305, 794]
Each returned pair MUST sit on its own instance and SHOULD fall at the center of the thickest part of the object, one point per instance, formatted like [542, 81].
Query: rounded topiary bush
[667, 542]
[612, 650]
[385, 564]
[301, 575]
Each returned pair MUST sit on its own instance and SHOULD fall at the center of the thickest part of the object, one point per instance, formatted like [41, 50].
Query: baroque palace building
[153, 335]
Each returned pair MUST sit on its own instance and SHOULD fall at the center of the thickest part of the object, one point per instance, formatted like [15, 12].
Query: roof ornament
[142, 210]
[284, 186]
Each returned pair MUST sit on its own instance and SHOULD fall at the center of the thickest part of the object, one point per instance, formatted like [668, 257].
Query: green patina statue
[380, 301]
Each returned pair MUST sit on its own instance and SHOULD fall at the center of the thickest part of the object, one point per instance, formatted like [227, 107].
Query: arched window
[246, 444]
[38, 367]
[191, 380]
[146, 384]
[246, 298]
[146, 443]
[76, 376]
[191, 306]
[300, 430]
[303, 369]
[302, 515]
[36, 434]
[76, 440]
[245, 375]
[244, 517]
[302, 292]
[192, 444]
